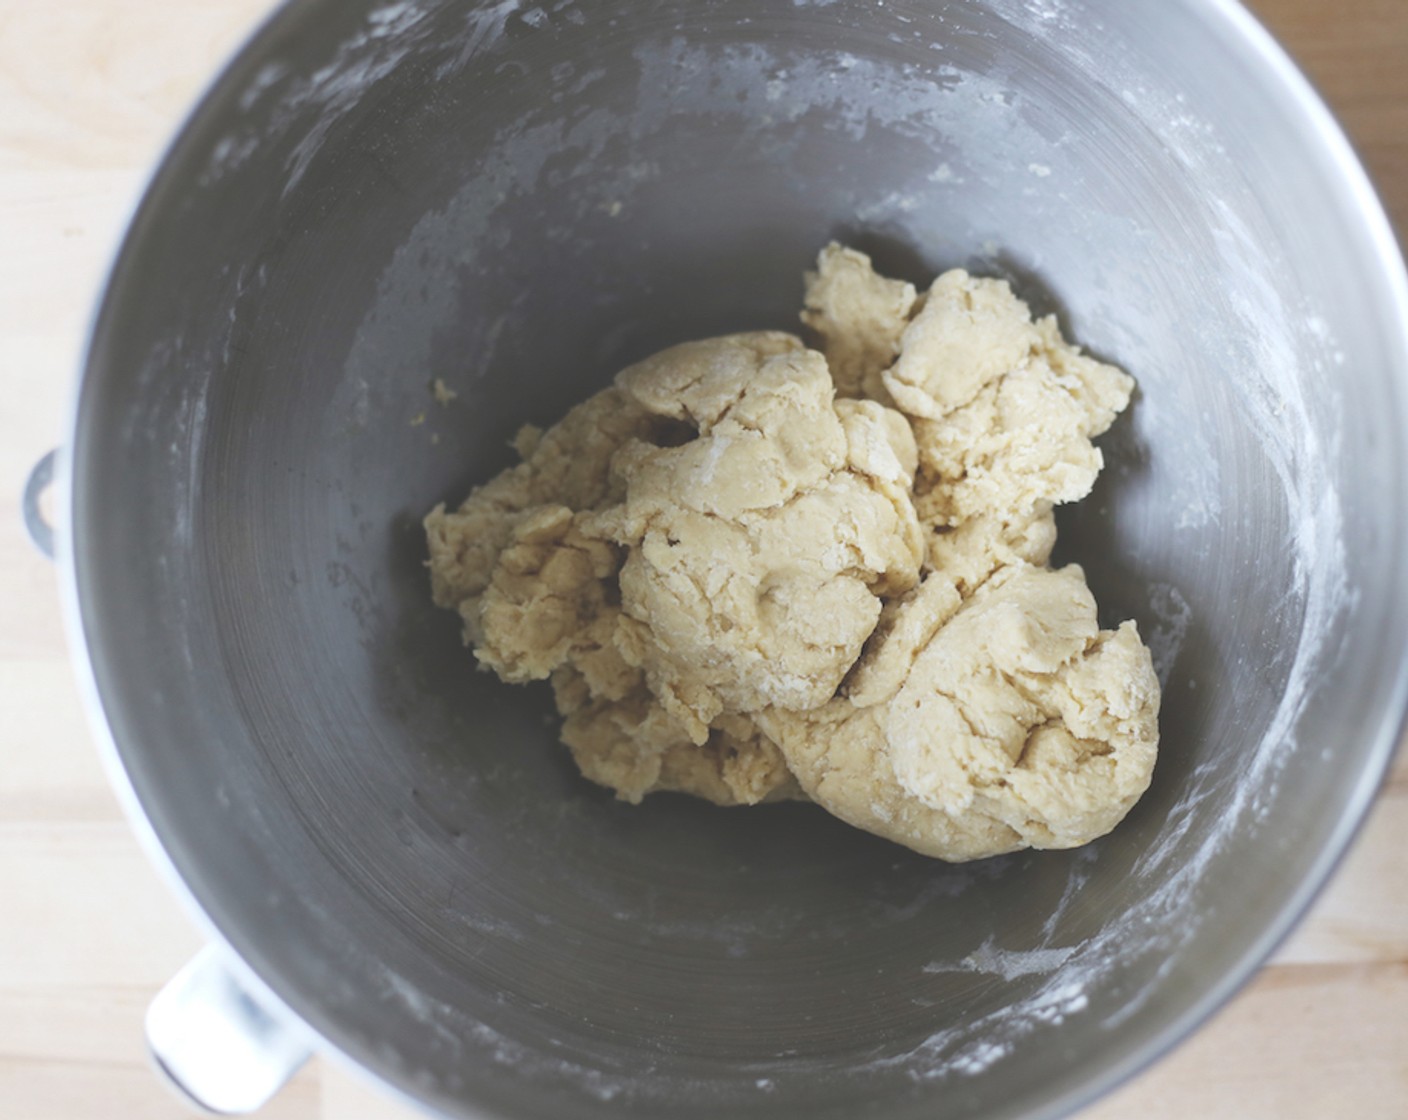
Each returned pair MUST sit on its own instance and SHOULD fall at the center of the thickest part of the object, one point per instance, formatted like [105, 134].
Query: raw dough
[757, 551]
[755, 571]
[859, 316]
[1019, 723]
[540, 600]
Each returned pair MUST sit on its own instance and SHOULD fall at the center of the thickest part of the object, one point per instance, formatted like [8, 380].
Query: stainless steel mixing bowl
[394, 853]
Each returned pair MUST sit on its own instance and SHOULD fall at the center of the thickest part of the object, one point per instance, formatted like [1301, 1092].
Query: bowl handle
[216, 1044]
[39, 529]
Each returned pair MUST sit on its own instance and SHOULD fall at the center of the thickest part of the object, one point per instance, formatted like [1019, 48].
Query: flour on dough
[755, 572]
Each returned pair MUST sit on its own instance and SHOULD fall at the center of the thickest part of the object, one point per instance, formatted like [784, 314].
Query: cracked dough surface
[755, 571]
[756, 552]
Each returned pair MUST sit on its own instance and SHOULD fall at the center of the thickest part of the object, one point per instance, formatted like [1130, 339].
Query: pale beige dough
[959, 561]
[969, 333]
[569, 466]
[631, 745]
[1023, 710]
[539, 599]
[1019, 724]
[842, 760]
[1023, 438]
[859, 316]
[758, 551]
[754, 572]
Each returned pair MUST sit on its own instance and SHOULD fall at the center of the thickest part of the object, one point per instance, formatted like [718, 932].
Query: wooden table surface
[89, 92]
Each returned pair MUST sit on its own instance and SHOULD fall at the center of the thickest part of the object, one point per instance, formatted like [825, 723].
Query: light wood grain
[89, 92]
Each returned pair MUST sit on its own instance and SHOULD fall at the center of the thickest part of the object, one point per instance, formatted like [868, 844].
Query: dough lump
[1020, 724]
[859, 316]
[540, 600]
[758, 550]
[755, 571]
